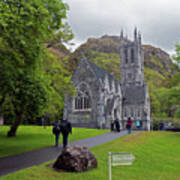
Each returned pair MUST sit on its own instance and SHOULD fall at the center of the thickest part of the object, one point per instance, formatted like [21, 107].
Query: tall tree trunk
[2, 100]
[1, 103]
[14, 127]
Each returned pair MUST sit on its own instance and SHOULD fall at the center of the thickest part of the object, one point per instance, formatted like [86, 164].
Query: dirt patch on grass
[132, 136]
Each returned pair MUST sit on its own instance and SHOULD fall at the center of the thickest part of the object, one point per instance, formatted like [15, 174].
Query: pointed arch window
[126, 55]
[132, 55]
[82, 101]
[125, 113]
[138, 114]
[132, 112]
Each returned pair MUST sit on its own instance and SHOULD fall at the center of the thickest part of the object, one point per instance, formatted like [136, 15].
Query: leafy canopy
[25, 25]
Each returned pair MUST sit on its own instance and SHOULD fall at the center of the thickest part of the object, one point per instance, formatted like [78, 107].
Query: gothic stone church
[100, 98]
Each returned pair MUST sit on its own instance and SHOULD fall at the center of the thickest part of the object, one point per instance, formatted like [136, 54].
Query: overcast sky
[158, 20]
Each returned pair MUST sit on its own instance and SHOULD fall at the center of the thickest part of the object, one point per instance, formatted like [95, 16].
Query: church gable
[83, 72]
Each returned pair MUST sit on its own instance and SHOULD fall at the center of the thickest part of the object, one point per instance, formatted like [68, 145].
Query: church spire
[121, 34]
[135, 34]
[139, 37]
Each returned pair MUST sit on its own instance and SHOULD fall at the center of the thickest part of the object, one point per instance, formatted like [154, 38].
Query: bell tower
[131, 57]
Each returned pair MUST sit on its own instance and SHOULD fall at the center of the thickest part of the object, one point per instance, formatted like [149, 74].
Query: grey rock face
[76, 159]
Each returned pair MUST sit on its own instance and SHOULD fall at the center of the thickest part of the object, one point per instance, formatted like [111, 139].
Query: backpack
[56, 129]
[65, 127]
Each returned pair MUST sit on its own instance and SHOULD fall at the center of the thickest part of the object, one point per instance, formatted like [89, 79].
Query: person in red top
[128, 125]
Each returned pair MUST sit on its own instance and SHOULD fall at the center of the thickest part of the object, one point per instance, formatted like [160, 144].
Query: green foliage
[156, 124]
[177, 113]
[177, 57]
[60, 83]
[154, 60]
[169, 99]
[153, 77]
[60, 37]
[24, 27]
[175, 80]
[155, 104]
[108, 61]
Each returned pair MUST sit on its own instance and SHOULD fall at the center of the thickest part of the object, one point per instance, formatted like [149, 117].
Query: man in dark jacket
[112, 125]
[116, 122]
[56, 132]
[65, 130]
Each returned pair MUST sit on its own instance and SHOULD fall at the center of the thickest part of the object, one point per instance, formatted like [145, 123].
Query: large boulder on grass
[75, 159]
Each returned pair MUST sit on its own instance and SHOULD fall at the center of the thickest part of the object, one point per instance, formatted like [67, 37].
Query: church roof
[133, 95]
[101, 73]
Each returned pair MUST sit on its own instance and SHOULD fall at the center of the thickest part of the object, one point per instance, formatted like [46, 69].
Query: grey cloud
[158, 20]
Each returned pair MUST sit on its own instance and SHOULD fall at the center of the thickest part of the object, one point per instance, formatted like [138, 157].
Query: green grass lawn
[35, 137]
[157, 158]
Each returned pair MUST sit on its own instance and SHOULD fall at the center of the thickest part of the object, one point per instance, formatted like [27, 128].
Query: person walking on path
[128, 125]
[112, 125]
[56, 132]
[65, 129]
[116, 122]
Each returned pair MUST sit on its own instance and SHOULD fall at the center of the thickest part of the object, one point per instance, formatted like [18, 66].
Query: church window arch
[126, 55]
[83, 101]
[132, 55]
[132, 112]
[125, 112]
[138, 113]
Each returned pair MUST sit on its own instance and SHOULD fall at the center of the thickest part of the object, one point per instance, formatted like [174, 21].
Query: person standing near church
[56, 132]
[128, 125]
[66, 128]
[112, 125]
[138, 124]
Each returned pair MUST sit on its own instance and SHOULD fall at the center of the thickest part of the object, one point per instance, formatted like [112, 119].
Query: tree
[29, 98]
[60, 83]
[177, 56]
[24, 27]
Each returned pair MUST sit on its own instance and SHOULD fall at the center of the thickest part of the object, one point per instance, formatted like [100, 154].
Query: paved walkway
[14, 163]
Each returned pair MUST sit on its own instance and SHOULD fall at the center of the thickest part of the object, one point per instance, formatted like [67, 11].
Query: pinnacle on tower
[139, 36]
[121, 35]
[135, 34]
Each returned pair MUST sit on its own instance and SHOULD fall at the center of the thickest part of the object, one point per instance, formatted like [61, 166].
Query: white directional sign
[117, 159]
[122, 159]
